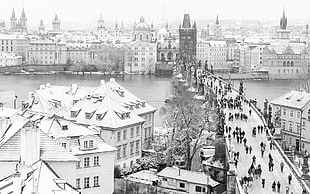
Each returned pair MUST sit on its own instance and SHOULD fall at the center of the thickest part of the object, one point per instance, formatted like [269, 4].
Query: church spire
[13, 14]
[217, 19]
[186, 21]
[283, 21]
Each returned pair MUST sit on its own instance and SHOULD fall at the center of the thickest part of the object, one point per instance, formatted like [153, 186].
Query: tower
[13, 20]
[100, 23]
[187, 39]
[217, 29]
[23, 21]
[56, 24]
[41, 27]
[283, 33]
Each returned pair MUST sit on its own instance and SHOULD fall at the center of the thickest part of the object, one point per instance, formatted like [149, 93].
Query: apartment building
[14, 44]
[291, 116]
[95, 166]
[46, 53]
[125, 121]
[10, 59]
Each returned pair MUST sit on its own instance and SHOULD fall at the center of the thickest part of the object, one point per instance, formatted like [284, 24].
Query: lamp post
[15, 99]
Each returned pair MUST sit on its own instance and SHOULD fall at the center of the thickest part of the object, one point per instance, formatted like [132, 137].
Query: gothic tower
[187, 39]
[217, 29]
[41, 27]
[23, 21]
[56, 24]
[13, 20]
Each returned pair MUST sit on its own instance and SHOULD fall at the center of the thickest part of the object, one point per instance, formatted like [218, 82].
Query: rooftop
[293, 99]
[188, 176]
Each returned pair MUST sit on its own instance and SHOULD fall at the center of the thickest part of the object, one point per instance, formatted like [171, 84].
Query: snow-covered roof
[293, 99]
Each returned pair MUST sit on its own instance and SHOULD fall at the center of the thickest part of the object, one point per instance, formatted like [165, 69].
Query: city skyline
[161, 11]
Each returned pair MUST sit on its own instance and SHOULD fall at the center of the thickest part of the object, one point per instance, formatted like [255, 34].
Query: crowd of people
[235, 110]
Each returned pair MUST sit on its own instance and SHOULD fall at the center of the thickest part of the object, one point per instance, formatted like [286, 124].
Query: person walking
[278, 185]
[253, 159]
[289, 178]
[282, 166]
[250, 112]
[244, 141]
[273, 186]
[263, 183]
[246, 149]
[250, 149]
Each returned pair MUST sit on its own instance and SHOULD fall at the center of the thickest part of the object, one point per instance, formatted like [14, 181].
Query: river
[148, 87]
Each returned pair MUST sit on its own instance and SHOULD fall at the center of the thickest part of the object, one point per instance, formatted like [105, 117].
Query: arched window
[147, 37]
[140, 36]
[284, 63]
[309, 115]
[135, 36]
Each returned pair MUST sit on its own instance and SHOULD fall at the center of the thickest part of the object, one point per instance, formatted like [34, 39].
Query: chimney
[42, 87]
[30, 96]
[24, 105]
[112, 80]
[30, 144]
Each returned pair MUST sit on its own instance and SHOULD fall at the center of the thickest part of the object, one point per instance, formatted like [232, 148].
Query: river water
[152, 89]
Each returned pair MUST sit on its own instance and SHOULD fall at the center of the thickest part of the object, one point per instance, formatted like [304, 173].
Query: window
[131, 163]
[290, 141]
[64, 145]
[125, 134]
[309, 115]
[137, 131]
[91, 144]
[298, 115]
[131, 132]
[85, 144]
[78, 164]
[96, 161]
[291, 113]
[86, 182]
[298, 129]
[78, 183]
[137, 146]
[291, 127]
[86, 162]
[182, 185]
[198, 189]
[283, 125]
[145, 133]
[118, 152]
[284, 111]
[118, 136]
[131, 147]
[124, 150]
[96, 181]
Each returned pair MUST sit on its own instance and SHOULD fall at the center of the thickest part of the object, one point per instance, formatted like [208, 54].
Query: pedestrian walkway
[245, 160]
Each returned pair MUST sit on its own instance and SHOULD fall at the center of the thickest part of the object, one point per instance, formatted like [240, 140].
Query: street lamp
[15, 99]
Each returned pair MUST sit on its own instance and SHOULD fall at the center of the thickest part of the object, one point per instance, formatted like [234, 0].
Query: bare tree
[192, 120]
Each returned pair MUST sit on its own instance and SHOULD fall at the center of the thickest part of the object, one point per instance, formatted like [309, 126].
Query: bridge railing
[293, 168]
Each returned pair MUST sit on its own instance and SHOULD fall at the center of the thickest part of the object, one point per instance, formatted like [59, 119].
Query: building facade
[14, 44]
[9, 59]
[291, 116]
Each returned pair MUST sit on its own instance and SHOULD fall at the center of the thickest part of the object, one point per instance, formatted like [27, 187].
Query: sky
[88, 11]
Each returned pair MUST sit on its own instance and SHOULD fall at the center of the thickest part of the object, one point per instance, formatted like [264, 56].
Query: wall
[7, 168]
[66, 170]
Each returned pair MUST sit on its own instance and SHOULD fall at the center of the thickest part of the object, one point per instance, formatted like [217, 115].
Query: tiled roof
[111, 117]
[46, 181]
[188, 176]
[10, 145]
[293, 99]
[53, 126]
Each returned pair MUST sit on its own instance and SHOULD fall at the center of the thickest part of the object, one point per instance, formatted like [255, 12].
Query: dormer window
[64, 127]
[88, 115]
[143, 104]
[75, 101]
[90, 144]
[137, 106]
[74, 113]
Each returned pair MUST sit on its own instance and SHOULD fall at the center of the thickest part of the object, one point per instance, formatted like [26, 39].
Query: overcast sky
[88, 11]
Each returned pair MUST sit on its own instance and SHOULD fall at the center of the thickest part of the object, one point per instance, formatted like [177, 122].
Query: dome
[142, 26]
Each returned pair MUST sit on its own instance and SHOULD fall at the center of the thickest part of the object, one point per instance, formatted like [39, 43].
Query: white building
[78, 53]
[13, 44]
[46, 53]
[289, 112]
[95, 168]
[144, 49]
[124, 121]
[10, 59]
[23, 144]
[215, 52]
[37, 178]
[144, 58]
[185, 181]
